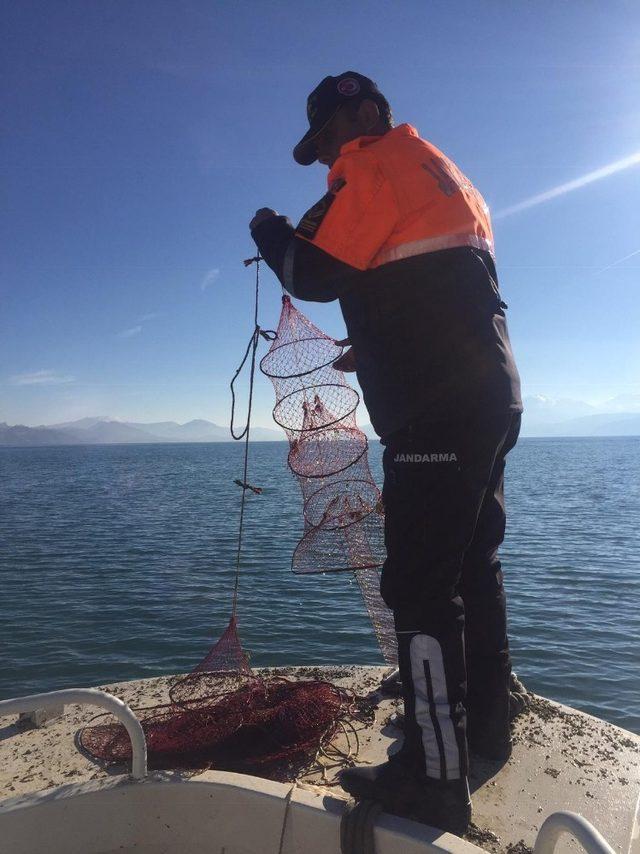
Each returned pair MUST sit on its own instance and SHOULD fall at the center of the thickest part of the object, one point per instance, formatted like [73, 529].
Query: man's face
[341, 129]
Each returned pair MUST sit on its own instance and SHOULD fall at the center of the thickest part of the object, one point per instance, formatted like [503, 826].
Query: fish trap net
[342, 507]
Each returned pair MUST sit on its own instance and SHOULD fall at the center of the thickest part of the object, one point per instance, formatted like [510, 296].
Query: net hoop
[289, 401]
[326, 521]
[275, 352]
[342, 465]
[372, 564]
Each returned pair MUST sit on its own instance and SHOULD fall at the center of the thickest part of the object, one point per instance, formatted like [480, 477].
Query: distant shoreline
[539, 422]
[147, 444]
[253, 442]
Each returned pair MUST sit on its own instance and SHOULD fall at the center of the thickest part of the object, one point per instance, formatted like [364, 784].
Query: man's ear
[368, 114]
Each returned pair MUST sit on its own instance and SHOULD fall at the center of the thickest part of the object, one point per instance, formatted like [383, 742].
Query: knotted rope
[250, 353]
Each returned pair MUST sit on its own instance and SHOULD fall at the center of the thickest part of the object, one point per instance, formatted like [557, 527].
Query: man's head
[340, 109]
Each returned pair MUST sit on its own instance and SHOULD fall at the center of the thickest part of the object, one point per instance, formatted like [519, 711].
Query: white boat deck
[562, 760]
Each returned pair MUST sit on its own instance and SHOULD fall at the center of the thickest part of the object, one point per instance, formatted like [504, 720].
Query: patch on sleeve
[312, 220]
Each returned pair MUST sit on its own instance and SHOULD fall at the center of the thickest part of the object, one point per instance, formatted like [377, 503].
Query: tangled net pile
[343, 516]
[228, 717]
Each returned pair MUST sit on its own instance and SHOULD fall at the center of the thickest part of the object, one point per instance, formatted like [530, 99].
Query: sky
[140, 136]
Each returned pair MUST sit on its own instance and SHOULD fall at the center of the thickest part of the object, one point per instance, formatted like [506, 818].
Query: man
[404, 241]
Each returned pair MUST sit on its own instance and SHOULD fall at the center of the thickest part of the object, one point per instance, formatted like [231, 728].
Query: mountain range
[103, 430]
[543, 416]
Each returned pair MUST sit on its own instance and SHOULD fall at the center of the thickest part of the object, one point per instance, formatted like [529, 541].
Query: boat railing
[570, 822]
[89, 697]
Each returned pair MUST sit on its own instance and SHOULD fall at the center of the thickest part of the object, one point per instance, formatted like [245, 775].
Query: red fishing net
[342, 508]
[272, 727]
[232, 719]
[227, 653]
[223, 714]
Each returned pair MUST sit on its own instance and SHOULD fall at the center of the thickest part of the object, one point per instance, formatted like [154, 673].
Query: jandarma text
[426, 458]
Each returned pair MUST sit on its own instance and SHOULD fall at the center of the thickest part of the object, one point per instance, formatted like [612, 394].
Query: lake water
[116, 562]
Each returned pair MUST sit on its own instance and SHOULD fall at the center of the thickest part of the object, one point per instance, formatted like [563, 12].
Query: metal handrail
[89, 697]
[569, 822]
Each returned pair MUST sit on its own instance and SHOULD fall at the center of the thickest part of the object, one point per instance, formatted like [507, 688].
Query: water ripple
[117, 562]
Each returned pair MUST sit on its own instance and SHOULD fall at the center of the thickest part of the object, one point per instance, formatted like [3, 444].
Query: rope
[250, 352]
[357, 827]
[256, 489]
[285, 818]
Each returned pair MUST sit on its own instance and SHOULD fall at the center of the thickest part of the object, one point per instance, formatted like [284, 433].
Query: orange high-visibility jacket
[394, 197]
[404, 241]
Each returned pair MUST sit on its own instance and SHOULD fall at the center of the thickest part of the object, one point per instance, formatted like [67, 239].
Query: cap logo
[312, 107]
[348, 86]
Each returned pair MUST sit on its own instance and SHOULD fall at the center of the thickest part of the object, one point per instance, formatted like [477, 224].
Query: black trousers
[444, 521]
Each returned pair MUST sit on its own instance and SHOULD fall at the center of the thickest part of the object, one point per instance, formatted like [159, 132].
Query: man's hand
[261, 215]
[346, 362]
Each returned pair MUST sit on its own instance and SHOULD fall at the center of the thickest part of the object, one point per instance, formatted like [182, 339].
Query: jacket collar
[404, 130]
[363, 141]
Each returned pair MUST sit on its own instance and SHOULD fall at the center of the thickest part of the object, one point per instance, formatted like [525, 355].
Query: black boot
[403, 791]
[488, 731]
[489, 741]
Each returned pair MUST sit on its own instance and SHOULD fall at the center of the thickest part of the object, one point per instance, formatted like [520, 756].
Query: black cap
[324, 102]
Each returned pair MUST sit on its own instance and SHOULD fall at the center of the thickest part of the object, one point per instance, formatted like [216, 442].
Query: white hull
[216, 812]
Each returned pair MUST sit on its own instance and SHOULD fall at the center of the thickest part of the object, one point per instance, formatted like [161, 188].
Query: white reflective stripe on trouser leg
[432, 708]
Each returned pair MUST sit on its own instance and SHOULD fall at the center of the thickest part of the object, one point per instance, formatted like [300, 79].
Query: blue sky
[139, 137]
